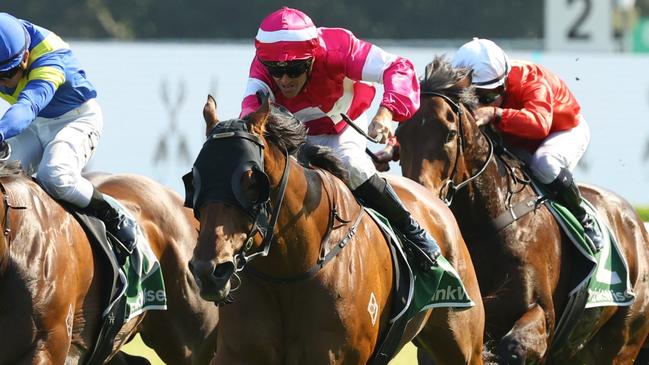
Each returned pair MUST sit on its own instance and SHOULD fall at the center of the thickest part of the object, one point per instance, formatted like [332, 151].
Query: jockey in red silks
[319, 73]
[54, 122]
[538, 117]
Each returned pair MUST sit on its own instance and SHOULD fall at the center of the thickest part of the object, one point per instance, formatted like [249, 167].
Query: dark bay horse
[54, 286]
[525, 268]
[321, 295]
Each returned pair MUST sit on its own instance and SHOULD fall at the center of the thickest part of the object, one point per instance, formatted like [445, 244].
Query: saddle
[600, 278]
[139, 274]
[114, 316]
[415, 289]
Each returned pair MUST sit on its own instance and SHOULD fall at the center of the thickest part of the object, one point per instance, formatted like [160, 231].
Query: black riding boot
[568, 194]
[377, 194]
[117, 223]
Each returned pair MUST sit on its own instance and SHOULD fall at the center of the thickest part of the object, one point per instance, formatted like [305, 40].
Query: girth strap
[517, 211]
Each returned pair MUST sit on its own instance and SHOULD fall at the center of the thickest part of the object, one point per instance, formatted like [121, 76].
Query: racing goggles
[9, 74]
[291, 69]
[488, 97]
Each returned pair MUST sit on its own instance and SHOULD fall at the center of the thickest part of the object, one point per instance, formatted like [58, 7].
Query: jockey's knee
[72, 188]
[358, 175]
[546, 167]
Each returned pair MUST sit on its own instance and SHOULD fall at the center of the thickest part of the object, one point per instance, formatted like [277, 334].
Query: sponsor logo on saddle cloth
[441, 286]
[608, 280]
[141, 277]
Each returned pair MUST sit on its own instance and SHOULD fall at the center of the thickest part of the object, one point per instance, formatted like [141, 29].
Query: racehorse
[54, 285]
[524, 267]
[318, 289]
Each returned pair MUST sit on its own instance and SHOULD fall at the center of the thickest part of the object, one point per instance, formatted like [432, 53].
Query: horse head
[441, 144]
[229, 190]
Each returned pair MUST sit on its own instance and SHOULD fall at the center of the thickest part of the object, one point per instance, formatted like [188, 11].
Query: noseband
[449, 188]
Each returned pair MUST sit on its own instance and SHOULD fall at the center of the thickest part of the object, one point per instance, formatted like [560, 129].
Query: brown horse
[321, 294]
[524, 268]
[54, 285]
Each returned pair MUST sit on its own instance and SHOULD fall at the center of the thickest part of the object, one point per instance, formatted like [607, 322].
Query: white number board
[578, 25]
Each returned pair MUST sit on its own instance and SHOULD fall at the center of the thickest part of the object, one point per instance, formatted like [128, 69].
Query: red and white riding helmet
[286, 35]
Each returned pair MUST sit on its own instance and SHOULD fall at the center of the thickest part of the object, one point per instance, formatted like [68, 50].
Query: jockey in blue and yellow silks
[54, 122]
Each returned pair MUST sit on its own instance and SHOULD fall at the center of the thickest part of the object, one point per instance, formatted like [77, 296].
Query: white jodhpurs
[559, 150]
[350, 148]
[57, 150]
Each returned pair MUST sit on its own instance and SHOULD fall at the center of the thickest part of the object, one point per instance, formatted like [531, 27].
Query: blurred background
[154, 61]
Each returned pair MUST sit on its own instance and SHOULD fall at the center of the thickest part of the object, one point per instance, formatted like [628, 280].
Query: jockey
[318, 73]
[538, 117]
[54, 122]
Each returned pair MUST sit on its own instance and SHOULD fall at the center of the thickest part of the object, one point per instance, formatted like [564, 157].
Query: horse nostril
[223, 271]
[201, 269]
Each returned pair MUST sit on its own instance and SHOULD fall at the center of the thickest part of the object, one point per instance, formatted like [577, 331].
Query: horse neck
[485, 196]
[304, 216]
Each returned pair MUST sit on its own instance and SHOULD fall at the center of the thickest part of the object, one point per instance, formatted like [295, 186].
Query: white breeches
[559, 150]
[350, 148]
[57, 150]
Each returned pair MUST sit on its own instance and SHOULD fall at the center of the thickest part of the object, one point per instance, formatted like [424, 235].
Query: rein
[513, 211]
[448, 190]
[324, 258]
[6, 223]
[241, 259]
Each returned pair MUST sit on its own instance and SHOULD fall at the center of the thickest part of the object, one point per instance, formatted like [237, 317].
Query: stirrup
[589, 225]
[424, 258]
[123, 246]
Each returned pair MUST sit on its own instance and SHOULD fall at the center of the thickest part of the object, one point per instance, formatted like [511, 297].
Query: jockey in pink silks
[319, 73]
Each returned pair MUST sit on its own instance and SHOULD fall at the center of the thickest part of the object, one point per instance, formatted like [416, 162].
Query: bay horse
[524, 268]
[54, 285]
[318, 290]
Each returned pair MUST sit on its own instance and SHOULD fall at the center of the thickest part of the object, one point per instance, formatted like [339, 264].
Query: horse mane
[285, 131]
[441, 77]
[11, 168]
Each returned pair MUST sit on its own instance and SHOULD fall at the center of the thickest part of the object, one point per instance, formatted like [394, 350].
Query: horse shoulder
[431, 212]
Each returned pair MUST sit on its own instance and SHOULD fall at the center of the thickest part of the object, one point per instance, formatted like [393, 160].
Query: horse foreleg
[453, 336]
[423, 358]
[526, 342]
[50, 347]
[122, 358]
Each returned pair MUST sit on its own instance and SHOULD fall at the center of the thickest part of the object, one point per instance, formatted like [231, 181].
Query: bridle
[267, 228]
[263, 223]
[449, 188]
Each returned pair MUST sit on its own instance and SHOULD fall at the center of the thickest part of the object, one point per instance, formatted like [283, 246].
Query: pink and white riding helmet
[286, 35]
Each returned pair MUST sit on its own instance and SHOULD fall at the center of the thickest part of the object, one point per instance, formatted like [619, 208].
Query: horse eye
[250, 186]
[451, 136]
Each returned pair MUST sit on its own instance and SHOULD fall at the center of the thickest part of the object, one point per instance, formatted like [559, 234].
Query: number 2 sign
[578, 25]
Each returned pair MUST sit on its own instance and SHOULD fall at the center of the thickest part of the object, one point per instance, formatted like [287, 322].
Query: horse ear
[465, 82]
[258, 119]
[209, 114]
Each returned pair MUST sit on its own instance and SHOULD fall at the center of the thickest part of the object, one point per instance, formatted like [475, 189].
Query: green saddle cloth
[441, 286]
[608, 280]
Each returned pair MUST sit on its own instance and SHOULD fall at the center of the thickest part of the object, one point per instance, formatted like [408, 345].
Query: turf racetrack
[136, 347]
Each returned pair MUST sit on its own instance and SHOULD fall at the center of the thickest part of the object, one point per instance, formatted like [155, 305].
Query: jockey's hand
[387, 154]
[485, 115]
[5, 151]
[381, 125]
